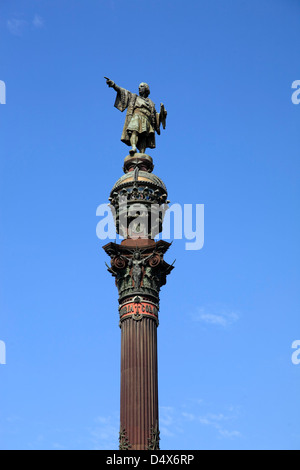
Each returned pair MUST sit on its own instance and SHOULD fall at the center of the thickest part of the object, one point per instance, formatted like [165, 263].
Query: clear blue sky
[230, 312]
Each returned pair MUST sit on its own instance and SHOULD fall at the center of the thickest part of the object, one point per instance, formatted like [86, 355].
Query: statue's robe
[138, 107]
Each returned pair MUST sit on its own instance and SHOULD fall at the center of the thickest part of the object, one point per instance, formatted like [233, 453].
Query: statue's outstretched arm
[112, 84]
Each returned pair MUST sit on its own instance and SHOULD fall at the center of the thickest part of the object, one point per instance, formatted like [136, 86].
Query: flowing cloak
[140, 117]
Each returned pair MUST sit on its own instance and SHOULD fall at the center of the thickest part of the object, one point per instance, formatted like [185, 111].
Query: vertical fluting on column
[139, 387]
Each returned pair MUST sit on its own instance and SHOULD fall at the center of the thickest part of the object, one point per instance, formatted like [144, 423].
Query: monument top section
[142, 120]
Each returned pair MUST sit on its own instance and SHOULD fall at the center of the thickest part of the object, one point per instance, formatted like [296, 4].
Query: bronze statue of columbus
[142, 119]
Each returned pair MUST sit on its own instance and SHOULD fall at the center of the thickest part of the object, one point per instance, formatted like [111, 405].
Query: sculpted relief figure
[142, 120]
[137, 272]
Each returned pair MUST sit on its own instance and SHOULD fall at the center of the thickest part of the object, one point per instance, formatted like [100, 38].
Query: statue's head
[137, 255]
[144, 89]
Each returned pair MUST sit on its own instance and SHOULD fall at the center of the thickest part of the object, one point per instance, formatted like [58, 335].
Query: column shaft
[139, 377]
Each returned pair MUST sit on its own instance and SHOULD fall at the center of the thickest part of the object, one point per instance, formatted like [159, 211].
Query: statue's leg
[142, 143]
[133, 141]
